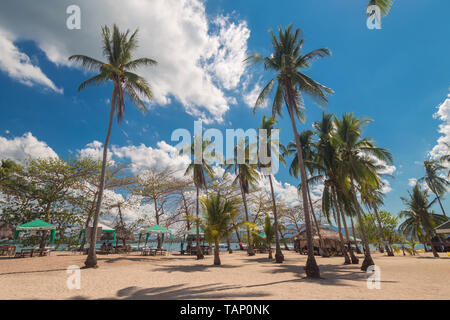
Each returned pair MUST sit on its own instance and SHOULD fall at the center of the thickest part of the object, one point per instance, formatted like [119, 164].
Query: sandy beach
[240, 277]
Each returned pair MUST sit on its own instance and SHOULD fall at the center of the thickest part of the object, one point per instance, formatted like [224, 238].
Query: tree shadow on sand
[181, 292]
[192, 268]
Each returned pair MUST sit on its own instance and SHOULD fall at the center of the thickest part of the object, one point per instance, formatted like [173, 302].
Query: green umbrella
[37, 225]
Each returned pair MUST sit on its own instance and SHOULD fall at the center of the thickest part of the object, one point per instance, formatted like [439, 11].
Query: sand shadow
[192, 268]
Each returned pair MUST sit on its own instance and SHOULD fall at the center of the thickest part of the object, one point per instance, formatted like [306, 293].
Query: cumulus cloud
[251, 96]
[443, 114]
[18, 66]
[412, 182]
[24, 147]
[199, 56]
[94, 150]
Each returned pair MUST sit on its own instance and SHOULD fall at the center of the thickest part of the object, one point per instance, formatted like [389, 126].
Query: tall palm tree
[199, 172]
[270, 231]
[309, 159]
[287, 62]
[246, 177]
[358, 163]
[118, 49]
[420, 221]
[437, 184]
[327, 162]
[218, 215]
[267, 124]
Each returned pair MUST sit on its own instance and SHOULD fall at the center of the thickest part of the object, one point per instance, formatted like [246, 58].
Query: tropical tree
[200, 170]
[419, 221]
[246, 177]
[384, 5]
[218, 220]
[309, 156]
[287, 62]
[118, 49]
[267, 125]
[359, 164]
[270, 231]
[438, 185]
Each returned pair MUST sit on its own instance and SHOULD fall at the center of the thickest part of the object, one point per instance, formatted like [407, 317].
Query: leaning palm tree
[267, 125]
[199, 170]
[420, 221]
[438, 185]
[358, 156]
[219, 214]
[288, 62]
[118, 49]
[246, 177]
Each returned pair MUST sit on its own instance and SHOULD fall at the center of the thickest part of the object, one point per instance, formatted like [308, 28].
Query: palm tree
[358, 164]
[437, 184]
[327, 162]
[267, 124]
[246, 176]
[200, 171]
[270, 232]
[309, 159]
[218, 220]
[420, 221]
[287, 62]
[384, 5]
[118, 49]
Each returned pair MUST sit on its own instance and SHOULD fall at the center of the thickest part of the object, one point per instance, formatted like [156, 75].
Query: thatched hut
[330, 238]
[7, 230]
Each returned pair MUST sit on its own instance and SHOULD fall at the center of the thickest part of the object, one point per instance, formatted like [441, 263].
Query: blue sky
[397, 76]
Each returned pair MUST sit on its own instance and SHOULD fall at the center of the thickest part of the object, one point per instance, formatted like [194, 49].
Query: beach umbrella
[155, 229]
[101, 228]
[37, 225]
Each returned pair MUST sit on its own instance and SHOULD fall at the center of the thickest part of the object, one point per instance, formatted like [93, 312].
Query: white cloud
[144, 158]
[19, 67]
[412, 182]
[94, 150]
[199, 57]
[442, 114]
[250, 97]
[21, 148]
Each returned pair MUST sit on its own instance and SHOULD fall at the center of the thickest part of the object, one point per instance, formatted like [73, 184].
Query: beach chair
[4, 250]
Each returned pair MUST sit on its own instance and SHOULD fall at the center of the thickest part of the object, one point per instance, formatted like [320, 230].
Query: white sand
[239, 277]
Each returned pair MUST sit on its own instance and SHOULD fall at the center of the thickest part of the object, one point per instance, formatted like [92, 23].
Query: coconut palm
[246, 177]
[219, 214]
[270, 231]
[358, 157]
[384, 5]
[438, 185]
[288, 63]
[200, 171]
[309, 159]
[267, 125]
[118, 49]
[420, 221]
[327, 163]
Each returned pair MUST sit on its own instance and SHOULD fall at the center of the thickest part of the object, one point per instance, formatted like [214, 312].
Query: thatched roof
[327, 234]
[6, 230]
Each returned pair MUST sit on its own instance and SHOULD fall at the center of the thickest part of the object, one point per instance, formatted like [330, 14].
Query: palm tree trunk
[358, 251]
[368, 261]
[91, 260]
[229, 245]
[250, 250]
[380, 226]
[311, 268]
[324, 250]
[216, 253]
[355, 260]
[341, 238]
[199, 248]
[439, 200]
[279, 257]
